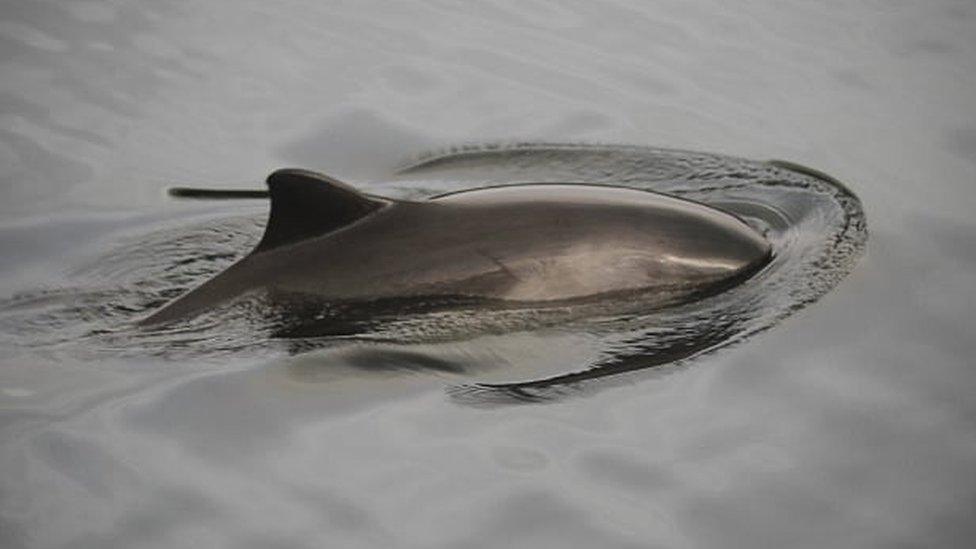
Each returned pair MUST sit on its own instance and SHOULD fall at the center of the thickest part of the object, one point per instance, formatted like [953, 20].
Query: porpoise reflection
[522, 243]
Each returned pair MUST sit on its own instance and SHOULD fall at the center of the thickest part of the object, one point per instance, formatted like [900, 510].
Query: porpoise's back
[529, 242]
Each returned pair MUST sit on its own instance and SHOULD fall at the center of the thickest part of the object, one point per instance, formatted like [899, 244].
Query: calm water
[849, 424]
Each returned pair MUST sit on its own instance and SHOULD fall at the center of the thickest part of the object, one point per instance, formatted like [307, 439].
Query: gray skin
[535, 243]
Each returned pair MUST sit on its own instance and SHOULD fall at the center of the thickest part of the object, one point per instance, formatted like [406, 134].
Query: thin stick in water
[215, 194]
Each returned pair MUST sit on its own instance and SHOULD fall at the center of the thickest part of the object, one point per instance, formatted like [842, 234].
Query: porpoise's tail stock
[225, 286]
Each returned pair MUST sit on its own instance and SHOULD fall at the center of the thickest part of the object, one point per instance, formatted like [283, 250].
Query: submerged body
[519, 243]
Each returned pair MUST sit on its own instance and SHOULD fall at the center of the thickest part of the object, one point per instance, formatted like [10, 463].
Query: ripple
[814, 223]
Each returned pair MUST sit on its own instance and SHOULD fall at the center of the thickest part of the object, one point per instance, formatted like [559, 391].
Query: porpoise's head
[608, 238]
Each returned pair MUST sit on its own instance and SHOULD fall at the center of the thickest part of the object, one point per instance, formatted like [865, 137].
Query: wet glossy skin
[524, 243]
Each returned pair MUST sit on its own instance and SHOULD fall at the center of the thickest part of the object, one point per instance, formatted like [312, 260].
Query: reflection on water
[848, 425]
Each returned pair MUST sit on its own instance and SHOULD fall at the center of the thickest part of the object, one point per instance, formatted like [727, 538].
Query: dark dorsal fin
[306, 204]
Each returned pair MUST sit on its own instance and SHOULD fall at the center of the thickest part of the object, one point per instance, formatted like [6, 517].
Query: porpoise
[538, 243]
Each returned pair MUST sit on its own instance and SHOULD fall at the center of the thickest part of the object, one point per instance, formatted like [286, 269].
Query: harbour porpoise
[538, 243]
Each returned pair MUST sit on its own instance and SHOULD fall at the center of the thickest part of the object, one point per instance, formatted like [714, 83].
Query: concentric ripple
[815, 224]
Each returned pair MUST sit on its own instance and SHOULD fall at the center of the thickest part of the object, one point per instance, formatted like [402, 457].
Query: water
[815, 225]
[847, 424]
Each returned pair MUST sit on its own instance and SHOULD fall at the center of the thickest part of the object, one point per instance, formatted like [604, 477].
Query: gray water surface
[850, 423]
[815, 227]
